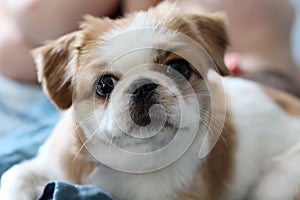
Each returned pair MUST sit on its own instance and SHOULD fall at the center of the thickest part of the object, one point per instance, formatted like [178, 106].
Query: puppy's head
[135, 82]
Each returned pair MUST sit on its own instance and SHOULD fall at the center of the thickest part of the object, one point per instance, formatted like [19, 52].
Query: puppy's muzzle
[142, 97]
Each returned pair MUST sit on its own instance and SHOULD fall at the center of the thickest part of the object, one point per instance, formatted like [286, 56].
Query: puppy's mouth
[146, 144]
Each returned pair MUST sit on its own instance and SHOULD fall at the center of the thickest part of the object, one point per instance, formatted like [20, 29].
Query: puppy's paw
[281, 178]
[21, 183]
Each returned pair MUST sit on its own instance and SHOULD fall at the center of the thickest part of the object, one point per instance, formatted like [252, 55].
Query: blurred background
[296, 32]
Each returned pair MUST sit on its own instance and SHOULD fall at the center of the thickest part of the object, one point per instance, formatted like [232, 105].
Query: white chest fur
[163, 184]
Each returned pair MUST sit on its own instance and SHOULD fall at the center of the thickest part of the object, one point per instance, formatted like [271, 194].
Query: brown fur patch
[60, 62]
[287, 102]
[52, 61]
[163, 57]
[216, 171]
[208, 31]
[77, 162]
[63, 147]
[90, 39]
[88, 71]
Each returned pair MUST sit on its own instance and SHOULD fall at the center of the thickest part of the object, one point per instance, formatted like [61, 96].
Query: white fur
[261, 134]
[282, 172]
[141, 35]
[163, 184]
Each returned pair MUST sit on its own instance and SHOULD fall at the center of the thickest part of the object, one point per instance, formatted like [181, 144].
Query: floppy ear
[55, 67]
[212, 30]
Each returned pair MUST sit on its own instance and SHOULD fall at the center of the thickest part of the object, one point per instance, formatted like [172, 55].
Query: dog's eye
[181, 66]
[105, 85]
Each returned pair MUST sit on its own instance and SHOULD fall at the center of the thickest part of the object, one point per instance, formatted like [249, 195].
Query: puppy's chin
[126, 134]
[146, 144]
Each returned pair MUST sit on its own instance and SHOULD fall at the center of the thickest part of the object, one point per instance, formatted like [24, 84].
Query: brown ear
[54, 66]
[212, 30]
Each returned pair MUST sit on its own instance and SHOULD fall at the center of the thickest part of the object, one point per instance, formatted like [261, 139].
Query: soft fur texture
[257, 155]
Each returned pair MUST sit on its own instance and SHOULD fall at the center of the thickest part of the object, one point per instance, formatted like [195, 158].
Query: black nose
[142, 89]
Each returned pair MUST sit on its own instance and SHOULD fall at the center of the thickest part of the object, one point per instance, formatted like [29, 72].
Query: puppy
[148, 115]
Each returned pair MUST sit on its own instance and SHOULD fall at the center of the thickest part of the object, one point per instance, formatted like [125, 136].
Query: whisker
[111, 141]
[84, 143]
[203, 94]
[194, 83]
[85, 119]
[211, 126]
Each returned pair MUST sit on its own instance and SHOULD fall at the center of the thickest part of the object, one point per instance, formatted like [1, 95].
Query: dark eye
[181, 66]
[105, 85]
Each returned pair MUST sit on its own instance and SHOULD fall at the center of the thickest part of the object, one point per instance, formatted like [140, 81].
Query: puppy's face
[135, 83]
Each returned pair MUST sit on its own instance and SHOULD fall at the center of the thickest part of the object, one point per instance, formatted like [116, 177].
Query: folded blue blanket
[65, 191]
[27, 118]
